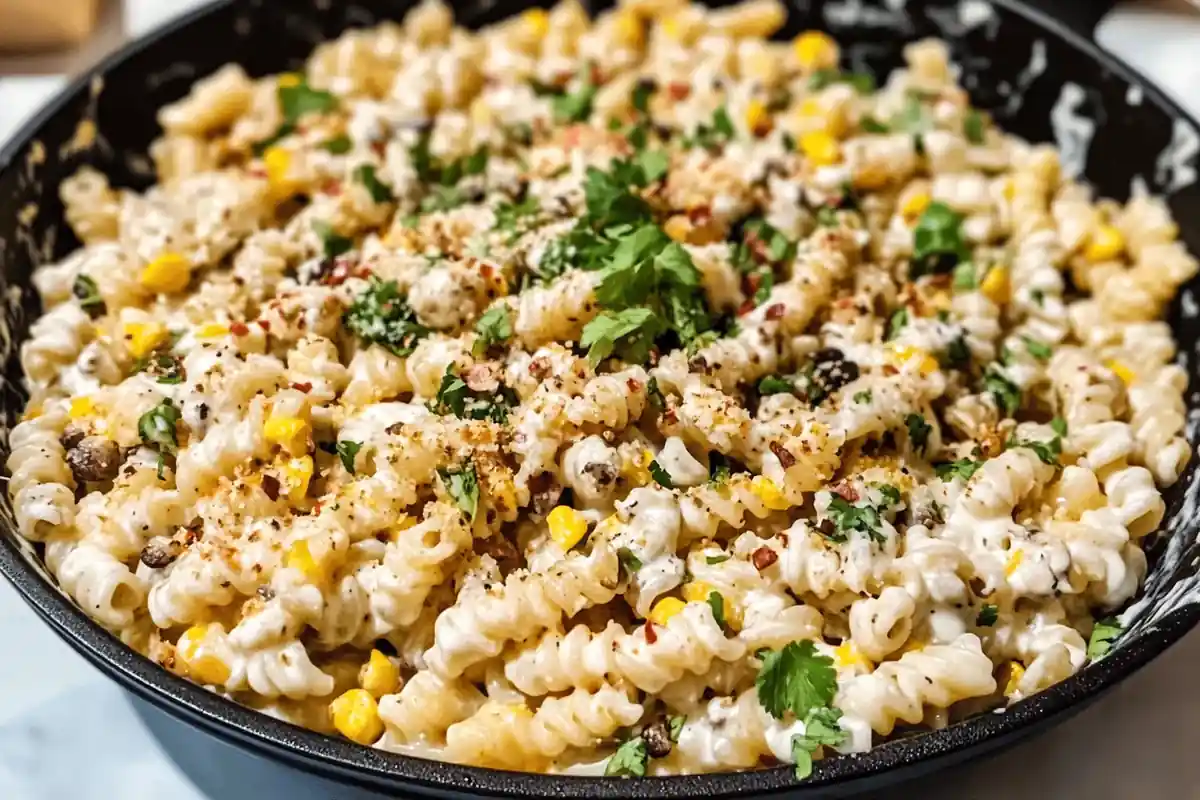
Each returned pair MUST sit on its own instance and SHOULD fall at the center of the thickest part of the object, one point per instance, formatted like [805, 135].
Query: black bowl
[1037, 77]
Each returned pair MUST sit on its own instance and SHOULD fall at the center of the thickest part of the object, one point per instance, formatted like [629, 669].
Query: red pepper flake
[846, 492]
[746, 307]
[487, 270]
[651, 636]
[775, 311]
[379, 146]
[678, 90]
[700, 215]
[270, 485]
[332, 187]
[257, 172]
[888, 369]
[597, 76]
[783, 538]
[634, 385]
[539, 367]
[763, 557]
[302, 387]
[786, 459]
[262, 323]
[238, 329]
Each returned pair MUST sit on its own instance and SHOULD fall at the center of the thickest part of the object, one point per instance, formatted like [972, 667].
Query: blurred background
[67, 733]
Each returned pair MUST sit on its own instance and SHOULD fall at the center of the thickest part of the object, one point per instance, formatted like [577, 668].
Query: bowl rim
[366, 767]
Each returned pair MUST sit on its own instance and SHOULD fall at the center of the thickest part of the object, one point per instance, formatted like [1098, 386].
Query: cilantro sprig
[462, 484]
[157, 429]
[938, 241]
[796, 679]
[1104, 634]
[821, 729]
[962, 468]
[381, 315]
[347, 451]
[455, 397]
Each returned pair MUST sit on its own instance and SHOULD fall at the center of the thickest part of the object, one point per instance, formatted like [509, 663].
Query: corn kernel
[82, 407]
[637, 471]
[769, 493]
[289, 80]
[290, 433]
[820, 148]
[678, 227]
[212, 330]
[32, 411]
[1009, 190]
[1014, 561]
[297, 473]
[1106, 244]
[379, 675]
[996, 286]
[1016, 671]
[202, 667]
[356, 716]
[1121, 371]
[299, 557]
[696, 591]
[815, 50]
[758, 119]
[906, 353]
[847, 655]
[169, 272]
[567, 526]
[143, 337]
[666, 608]
[536, 22]
[628, 30]
[608, 526]
[914, 205]
[278, 163]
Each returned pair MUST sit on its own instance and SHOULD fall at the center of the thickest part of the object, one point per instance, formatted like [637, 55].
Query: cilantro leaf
[965, 279]
[630, 562]
[821, 729]
[338, 145]
[509, 216]
[847, 518]
[913, 118]
[796, 679]
[655, 396]
[576, 106]
[896, 323]
[918, 431]
[963, 468]
[630, 333]
[775, 384]
[938, 242]
[640, 96]
[493, 327]
[1038, 350]
[463, 487]
[870, 124]
[1103, 635]
[957, 353]
[630, 759]
[717, 603]
[451, 395]
[713, 134]
[157, 428]
[987, 616]
[863, 396]
[300, 99]
[1006, 393]
[675, 727]
[1047, 452]
[661, 476]
[333, 243]
[721, 559]
[718, 468]
[973, 127]
[347, 451]
[1059, 426]
[380, 192]
[862, 82]
[381, 315]
[87, 293]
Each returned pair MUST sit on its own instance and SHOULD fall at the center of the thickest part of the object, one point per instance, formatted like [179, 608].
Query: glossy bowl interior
[1038, 78]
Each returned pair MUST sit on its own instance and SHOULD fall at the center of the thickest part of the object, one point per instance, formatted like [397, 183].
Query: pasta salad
[627, 396]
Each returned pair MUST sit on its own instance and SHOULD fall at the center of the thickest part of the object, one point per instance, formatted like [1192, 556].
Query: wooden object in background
[40, 24]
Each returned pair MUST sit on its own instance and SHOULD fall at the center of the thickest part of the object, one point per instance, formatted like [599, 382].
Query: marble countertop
[67, 733]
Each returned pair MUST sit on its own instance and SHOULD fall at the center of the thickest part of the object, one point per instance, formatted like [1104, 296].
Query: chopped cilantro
[718, 467]
[300, 99]
[463, 486]
[381, 315]
[630, 759]
[675, 727]
[333, 243]
[821, 729]
[347, 451]
[721, 559]
[661, 476]
[455, 397]
[166, 368]
[965, 279]
[862, 82]
[641, 94]
[963, 468]
[1039, 350]
[987, 616]
[1103, 635]
[864, 518]
[938, 242]
[576, 106]
[918, 431]
[1047, 452]
[629, 333]
[629, 562]
[863, 396]
[896, 323]
[87, 293]
[338, 145]
[973, 127]
[957, 354]
[796, 679]
[493, 327]
[775, 384]
[717, 603]
[1006, 393]
[913, 118]
[510, 216]
[870, 124]
[655, 396]
[713, 134]
[380, 192]
[1059, 426]
[157, 429]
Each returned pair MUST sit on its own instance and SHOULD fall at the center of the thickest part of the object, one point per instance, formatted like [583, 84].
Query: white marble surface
[67, 733]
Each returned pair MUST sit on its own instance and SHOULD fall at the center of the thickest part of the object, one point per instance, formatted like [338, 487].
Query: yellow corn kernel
[567, 526]
[1016, 671]
[666, 608]
[815, 50]
[1121, 371]
[678, 227]
[356, 716]
[297, 473]
[758, 119]
[212, 330]
[1106, 244]
[638, 469]
[906, 353]
[379, 675]
[202, 667]
[32, 411]
[278, 163]
[608, 526]
[628, 30]
[914, 205]
[1014, 561]
[820, 148]
[536, 22]
[143, 337]
[290, 433]
[289, 80]
[847, 655]
[299, 557]
[82, 407]
[996, 286]
[1010, 189]
[169, 272]
[769, 493]
[696, 591]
